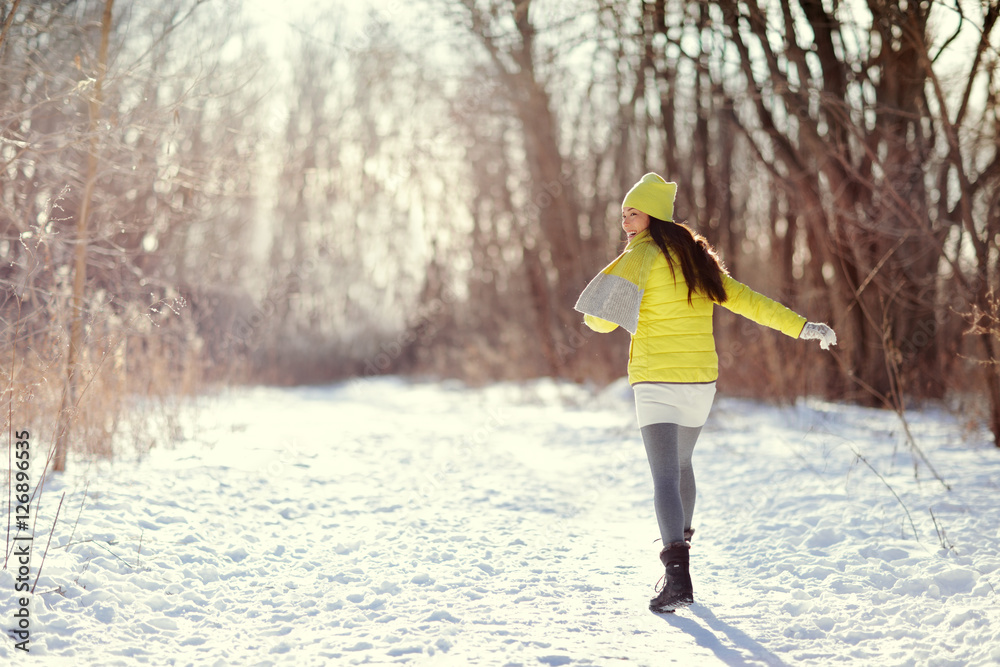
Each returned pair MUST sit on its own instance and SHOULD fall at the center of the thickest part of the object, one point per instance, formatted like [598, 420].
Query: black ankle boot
[688, 534]
[677, 590]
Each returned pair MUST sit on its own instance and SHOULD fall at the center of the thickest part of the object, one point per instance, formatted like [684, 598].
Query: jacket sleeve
[742, 300]
[599, 325]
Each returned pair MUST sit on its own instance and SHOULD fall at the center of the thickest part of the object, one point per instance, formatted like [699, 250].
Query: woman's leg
[669, 448]
[661, 442]
[687, 436]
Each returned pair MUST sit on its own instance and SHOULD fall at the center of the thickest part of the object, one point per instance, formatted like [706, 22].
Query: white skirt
[684, 404]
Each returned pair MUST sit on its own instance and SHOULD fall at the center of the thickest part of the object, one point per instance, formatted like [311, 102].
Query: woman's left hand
[821, 332]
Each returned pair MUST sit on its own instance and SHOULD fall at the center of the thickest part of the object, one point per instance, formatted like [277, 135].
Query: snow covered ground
[383, 521]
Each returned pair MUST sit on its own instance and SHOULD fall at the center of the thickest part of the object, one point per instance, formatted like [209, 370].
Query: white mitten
[824, 334]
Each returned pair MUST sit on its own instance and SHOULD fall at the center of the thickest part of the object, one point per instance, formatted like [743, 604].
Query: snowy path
[385, 522]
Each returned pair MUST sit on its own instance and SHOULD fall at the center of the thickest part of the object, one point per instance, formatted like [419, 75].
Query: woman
[673, 364]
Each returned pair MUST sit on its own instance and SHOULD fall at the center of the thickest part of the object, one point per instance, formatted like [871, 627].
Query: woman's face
[634, 221]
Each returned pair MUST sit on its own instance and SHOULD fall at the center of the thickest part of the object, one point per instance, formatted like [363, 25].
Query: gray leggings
[669, 448]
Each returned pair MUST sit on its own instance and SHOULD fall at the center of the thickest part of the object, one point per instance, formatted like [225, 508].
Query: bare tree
[123, 175]
[508, 35]
[70, 388]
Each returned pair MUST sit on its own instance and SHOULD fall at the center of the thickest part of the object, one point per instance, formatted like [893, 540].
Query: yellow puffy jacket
[674, 341]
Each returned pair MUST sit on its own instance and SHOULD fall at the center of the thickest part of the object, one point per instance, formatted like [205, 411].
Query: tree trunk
[70, 388]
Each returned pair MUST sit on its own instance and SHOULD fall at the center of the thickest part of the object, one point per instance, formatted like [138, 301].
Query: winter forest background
[204, 192]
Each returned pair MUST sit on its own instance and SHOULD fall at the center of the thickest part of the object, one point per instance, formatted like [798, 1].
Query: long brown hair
[703, 271]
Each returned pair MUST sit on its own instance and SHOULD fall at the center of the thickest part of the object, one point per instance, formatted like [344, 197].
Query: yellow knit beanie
[653, 196]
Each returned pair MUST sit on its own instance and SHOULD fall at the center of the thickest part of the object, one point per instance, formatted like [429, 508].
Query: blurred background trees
[299, 197]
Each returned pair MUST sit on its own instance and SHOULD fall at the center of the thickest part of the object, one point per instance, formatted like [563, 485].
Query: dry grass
[136, 365]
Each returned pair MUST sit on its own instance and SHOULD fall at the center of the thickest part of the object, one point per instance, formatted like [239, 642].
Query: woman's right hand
[821, 332]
